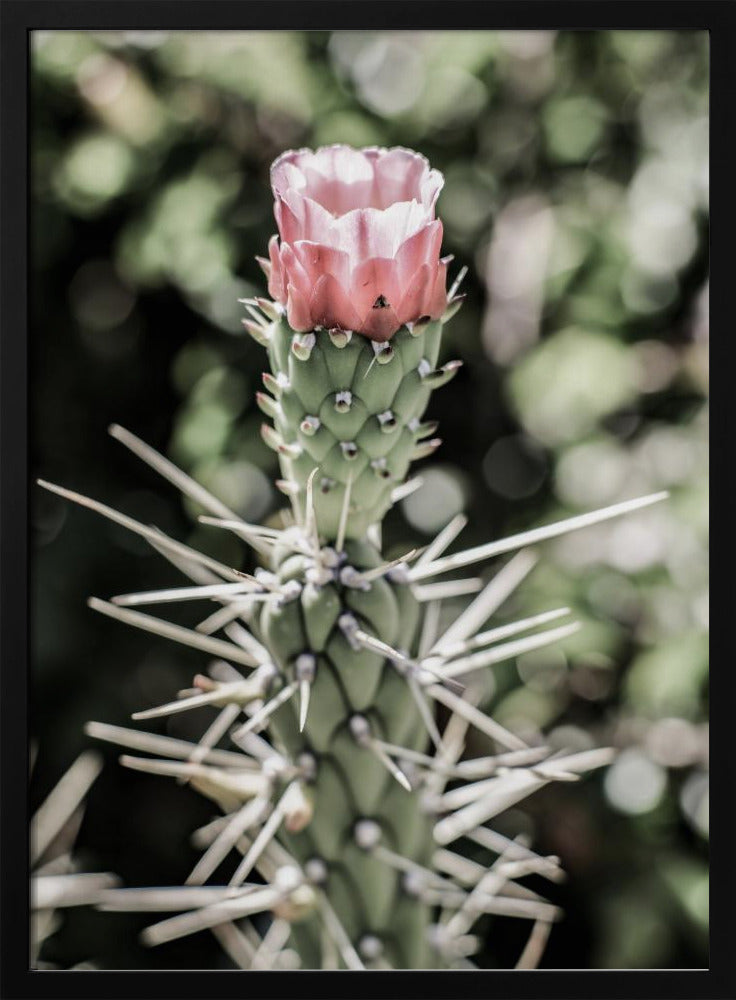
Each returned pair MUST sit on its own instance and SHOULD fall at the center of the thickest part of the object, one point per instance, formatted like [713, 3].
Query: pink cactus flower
[360, 244]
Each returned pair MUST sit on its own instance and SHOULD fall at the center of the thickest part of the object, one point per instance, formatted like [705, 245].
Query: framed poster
[355, 397]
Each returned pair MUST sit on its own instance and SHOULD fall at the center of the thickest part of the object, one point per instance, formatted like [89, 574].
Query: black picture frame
[18, 19]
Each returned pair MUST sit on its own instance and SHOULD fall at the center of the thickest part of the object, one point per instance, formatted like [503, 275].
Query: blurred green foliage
[577, 192]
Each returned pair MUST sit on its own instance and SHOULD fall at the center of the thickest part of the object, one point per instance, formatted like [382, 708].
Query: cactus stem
[268, 709]
[493, 783]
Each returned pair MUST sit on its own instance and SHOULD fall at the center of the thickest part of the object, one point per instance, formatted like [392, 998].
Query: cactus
[344, 811]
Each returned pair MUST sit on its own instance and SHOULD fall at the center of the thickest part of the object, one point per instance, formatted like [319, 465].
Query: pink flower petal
[372, 280]
[297, 310]
[437, 302]
[369, 232]
[421, 248]
[286, 170]
[294, 271]
[379, 324]
[289, 222]
[318, 259]
[330, 306]
[276, 280]
[400, 174]
[414, 303]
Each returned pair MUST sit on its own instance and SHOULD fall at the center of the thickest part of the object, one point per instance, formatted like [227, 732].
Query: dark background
[577, 194]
